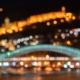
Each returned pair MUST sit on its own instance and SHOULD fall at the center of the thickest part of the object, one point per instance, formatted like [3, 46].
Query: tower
[6, 22]
[63, 9]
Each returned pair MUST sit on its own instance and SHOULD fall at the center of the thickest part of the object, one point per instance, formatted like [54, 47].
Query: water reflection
[51, 75]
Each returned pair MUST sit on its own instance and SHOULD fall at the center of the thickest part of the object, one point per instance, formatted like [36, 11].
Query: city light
[47, 56]
[54, 22]
[1, 9]
[5, 64]
[62, 20]
[21, 63]
[8, 53]
[68, 42]
[48, 23]
[0, 63]
[11, 27]
[73, 17]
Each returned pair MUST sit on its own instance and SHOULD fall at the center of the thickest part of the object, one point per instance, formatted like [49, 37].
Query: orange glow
[73, 17]
[63, 8]
[39, 69]
[34, 27]
[3, 31]
[9, 30]
[48, 23]
[55, 22]
[1, 9]
[16, 30]
[48, 69]
[68, 43]
[17, 25]
[20, 29]
[55, 36]
[62, 20]
[13, 27]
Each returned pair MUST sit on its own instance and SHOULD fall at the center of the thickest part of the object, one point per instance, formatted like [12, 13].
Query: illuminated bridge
[72, 52]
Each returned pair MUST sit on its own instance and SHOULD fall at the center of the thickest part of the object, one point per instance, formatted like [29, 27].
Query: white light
[26, 65]
[34, 63]
[30, 37]
[25, 42]
[6, 64]
[13, 63]
[76, 34]
[63, 36]
[69, 63]
[5, 40]
[2, 50]
[71, 66]
[22, 39]
[71, 32]
[18, 41]
[21, 63]
[0, 64]
[77, 64]
[65, 66]
[39, 63]
[18, 46]
[37, 41]
[14, 42]
[27, 39]
[78, 29]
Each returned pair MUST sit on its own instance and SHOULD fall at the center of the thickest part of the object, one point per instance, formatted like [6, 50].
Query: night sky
[21, 9]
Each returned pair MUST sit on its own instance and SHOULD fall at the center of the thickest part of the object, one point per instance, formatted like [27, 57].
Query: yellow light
[3, 31]
[68, 43]
[13, 27]
[67, 19]
[48, 69]
[11, 47]
[20, 24]
[16, 30]
[73, 17]
[20, 29]
[3, 43]
[46, 63]
[47, 56]
[32, 57]
[55, 22]
[62, 20]
[48, 23]
[9, 31]
[39, 69]
[59, 63]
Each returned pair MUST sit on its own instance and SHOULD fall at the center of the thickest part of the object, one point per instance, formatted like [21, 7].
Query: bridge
[72, 52]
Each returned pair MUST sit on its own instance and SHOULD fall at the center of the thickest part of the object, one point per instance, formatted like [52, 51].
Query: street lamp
[1, 9]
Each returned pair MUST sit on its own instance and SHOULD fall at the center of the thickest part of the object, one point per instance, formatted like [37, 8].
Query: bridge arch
[73, 52]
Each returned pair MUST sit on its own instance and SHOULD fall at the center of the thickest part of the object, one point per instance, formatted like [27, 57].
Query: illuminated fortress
[9, 28]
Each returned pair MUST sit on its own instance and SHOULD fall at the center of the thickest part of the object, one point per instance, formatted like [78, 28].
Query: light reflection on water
[44, 76]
